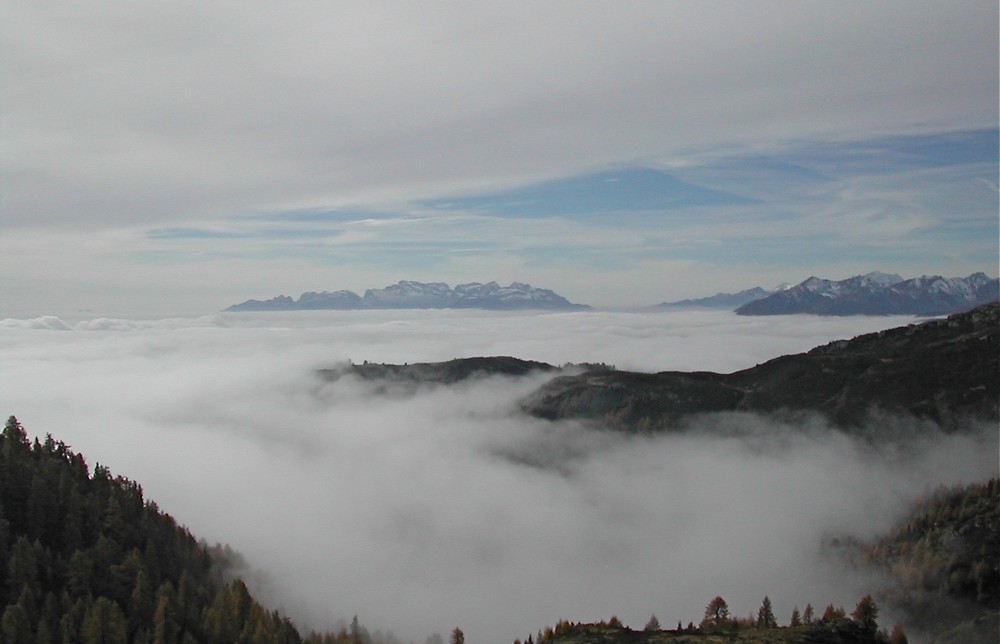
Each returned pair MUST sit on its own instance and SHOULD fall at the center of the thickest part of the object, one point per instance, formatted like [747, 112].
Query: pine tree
[16, 625]
[653, 624]
[457, 636]
[796, 618]
[104, 623]
[865, 614]
[765, 616]
[166, 628]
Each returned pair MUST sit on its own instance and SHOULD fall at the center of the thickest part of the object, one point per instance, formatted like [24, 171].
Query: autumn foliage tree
[716, 613]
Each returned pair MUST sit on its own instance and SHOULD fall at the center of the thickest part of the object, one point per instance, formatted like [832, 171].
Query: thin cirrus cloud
[807, 205]
[170, 125]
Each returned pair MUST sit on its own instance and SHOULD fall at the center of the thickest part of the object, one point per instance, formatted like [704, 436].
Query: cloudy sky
[169, 157]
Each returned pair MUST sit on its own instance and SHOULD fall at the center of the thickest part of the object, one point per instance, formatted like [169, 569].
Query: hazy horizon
[181, 158]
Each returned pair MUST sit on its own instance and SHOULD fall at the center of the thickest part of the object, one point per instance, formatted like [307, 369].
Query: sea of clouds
[424, 510]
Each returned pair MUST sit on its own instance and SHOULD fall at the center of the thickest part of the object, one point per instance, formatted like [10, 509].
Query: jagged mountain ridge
[408, 294]
[879, 294]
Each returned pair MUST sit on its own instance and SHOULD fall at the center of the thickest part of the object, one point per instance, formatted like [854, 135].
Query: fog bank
[445, 507]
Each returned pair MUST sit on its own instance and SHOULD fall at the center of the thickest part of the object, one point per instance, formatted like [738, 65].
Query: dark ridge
[446, 373]
[946, 371]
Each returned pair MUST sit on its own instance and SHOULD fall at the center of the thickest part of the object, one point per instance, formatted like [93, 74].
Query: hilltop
[946, 371]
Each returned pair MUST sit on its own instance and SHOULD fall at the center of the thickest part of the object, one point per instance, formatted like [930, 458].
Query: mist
[421, 510]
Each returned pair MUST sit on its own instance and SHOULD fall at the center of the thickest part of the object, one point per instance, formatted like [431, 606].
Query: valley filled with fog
[421, 510]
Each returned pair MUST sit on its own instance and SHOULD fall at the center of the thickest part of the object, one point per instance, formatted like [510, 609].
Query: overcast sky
[167, 157]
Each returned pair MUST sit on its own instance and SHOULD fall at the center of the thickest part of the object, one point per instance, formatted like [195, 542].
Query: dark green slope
[85, 558]
[945, 371]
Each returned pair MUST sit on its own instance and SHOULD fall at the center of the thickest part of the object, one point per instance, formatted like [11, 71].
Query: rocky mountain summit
[421, 295]
[879, 294]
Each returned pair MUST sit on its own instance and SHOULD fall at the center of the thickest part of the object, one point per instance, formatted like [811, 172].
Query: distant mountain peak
[727, 301]
[879, 294]
[408, 294]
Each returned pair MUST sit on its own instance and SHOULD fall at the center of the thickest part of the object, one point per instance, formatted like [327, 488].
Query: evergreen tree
[141, 608]
[796, 618]
[22, 568]
[653, 624]
[166, 628]
[16, 625]
[104, 623]
[457, 636]
[765, 615]
[865, 614]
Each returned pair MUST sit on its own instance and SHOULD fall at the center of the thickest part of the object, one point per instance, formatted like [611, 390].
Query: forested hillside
[943, 564]
[85, 558]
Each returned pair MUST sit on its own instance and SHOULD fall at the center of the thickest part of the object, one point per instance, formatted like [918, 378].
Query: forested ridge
[943, 564]
[84, 557]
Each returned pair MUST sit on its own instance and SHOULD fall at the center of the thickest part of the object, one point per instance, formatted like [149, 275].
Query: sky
[175, 158]
[422, 510]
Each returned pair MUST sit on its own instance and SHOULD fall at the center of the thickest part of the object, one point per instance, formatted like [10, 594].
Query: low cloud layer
[420, 511]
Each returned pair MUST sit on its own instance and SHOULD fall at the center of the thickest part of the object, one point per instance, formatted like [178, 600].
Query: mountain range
[422, 295]
[879, 294]
[870, 294]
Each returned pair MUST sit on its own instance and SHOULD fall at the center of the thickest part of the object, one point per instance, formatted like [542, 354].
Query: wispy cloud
[245, 131]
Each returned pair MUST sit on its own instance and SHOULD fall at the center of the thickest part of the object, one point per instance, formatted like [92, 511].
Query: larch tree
[865, 614]
[898, 636]
[765, 615]
[716, 613]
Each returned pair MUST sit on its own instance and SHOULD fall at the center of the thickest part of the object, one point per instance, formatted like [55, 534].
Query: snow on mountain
[879, 294]
[421, 295]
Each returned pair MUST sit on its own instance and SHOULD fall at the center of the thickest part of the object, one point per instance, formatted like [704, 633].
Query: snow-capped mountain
[421, 295]
[879, 294]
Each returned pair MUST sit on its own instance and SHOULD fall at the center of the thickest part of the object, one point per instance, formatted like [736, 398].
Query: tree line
[85, 558]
